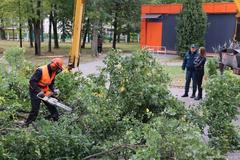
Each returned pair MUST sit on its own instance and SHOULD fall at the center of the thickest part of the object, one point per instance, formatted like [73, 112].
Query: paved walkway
[189, 102]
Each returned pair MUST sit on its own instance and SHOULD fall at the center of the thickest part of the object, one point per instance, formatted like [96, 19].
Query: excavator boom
[237, 2]
[74, 54]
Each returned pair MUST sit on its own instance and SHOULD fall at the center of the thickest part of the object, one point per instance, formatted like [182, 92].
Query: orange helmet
[58, 62]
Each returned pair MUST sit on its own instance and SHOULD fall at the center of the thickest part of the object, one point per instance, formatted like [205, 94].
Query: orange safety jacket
[46, 80]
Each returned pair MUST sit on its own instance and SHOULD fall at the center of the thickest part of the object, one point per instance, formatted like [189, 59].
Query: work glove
[56, 91]
[41, 94]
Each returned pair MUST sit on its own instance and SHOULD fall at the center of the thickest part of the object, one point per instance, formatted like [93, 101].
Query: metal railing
[156, 49]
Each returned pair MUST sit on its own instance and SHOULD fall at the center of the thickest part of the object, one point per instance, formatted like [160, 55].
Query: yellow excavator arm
[237, 2]
[74, 54]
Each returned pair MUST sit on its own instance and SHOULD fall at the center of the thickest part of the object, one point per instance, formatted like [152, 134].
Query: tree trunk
[13, 32]
[20, 23]
[30, 28]
[95, 39]
[85, 33]
[118, 38]
[2, 31]
[20, 34]
[55, 33]
[37, 34]
[42, 31]
[89, 37]
[3, 34]
[50, 33]
[64, 34]
[128, 37]
[37, 30]
[114, 33]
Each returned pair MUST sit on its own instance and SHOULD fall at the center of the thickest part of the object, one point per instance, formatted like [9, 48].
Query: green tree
[191, 26]
[123, 15]
[18, 15]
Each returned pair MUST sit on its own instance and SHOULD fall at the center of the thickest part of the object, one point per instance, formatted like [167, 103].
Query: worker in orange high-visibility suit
[41, 85]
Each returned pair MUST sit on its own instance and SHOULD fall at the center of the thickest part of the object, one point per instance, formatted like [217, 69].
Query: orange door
[154, 34]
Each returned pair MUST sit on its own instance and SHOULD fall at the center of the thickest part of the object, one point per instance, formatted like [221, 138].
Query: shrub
[220, 109]
[190, 29]
[212, 67]
[124, 112]
[15, 73]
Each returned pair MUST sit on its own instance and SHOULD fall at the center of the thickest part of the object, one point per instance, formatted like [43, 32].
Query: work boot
[49, 117]
[52, 117]
[193, 95]
[197, 98]
[185, 95]
[22, 124]
[199, 95]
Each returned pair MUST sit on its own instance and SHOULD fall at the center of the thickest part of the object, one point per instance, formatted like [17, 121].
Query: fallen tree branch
[128, 146]
[8, 129]
[22, 111]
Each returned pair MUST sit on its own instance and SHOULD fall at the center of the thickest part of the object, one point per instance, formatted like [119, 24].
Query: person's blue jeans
[190, 75]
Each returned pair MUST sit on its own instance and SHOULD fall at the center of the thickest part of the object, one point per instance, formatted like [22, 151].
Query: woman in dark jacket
[199, 68]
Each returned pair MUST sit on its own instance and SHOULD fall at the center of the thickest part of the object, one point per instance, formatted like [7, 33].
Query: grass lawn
[176, 74]
[64, 49]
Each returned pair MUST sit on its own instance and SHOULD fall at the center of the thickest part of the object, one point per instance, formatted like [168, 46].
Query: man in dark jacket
[41, 85]
[188, 64]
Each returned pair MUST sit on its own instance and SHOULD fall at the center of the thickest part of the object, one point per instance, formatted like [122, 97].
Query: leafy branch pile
[220, 109]
[15, 73]
[126, 112]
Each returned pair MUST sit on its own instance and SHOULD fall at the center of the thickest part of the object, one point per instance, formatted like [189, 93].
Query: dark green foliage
[125, 111]
[191, 26]
[212, 67]
[14, 77]
[220, 109]
[168, 132]
[62, 140]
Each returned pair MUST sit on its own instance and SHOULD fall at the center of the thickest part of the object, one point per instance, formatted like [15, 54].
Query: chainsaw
[55, 102]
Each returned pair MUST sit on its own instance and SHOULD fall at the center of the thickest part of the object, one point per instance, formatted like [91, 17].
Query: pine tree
[191, 26]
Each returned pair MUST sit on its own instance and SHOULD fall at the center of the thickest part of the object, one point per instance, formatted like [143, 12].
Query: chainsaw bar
[55, 102]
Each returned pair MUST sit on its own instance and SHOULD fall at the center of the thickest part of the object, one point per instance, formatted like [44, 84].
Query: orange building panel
[162, 9]
[154, 34]
[151, 32]
[219, 8]
[211, 8]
